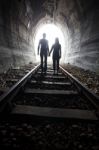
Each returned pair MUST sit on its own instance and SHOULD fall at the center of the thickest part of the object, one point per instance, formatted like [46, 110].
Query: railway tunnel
[76, 20]
[49, 110]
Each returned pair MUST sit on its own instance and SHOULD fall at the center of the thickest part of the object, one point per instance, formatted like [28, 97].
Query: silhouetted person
[56, 48]
[44, 51]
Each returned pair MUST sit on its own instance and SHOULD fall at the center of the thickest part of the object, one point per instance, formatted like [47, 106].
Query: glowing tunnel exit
[52, 31]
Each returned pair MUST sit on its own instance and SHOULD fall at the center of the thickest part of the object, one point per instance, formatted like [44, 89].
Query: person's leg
[54, 65]
[45, 64]
[41, 63]
[57, 65]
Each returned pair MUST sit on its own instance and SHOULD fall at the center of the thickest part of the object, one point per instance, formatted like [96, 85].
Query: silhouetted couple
[44, 52]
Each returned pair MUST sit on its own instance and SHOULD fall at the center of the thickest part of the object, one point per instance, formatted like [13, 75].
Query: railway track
[49, 101]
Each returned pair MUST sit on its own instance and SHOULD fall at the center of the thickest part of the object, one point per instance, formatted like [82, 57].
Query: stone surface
[88, 78]
[48, 135]
[16, 47]
[78, 20]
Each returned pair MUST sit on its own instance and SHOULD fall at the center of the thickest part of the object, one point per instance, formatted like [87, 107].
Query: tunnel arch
[59, 26]
[76, 18]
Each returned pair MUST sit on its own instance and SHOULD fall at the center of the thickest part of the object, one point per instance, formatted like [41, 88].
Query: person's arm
[51, 50]
[60, 52]
[39, 46]
[47, 48]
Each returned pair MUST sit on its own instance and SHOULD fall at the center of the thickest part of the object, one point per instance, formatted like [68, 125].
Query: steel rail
[93, 98]
[5, 99]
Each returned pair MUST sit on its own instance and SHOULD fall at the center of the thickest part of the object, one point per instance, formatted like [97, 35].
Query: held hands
[38, 52]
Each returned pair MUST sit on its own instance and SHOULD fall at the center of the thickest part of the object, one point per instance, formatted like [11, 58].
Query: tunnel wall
[82, 20]
[89, 46]
[16, 46]
[18, 18]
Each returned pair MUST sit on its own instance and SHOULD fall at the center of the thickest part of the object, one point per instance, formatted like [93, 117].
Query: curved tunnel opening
[52, 31]
[21, 21]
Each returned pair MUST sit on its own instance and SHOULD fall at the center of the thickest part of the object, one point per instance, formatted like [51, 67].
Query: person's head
[44, 35]
[56, 40]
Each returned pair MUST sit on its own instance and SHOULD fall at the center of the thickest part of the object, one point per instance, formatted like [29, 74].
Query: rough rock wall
[16, 47]
[78, 18]
[82, 19]
[89, 46]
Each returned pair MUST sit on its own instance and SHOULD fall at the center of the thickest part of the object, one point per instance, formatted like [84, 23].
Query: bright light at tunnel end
[52, 31]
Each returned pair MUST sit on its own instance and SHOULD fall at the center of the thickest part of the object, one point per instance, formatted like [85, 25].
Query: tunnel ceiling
[71, 10]
[18, 19]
